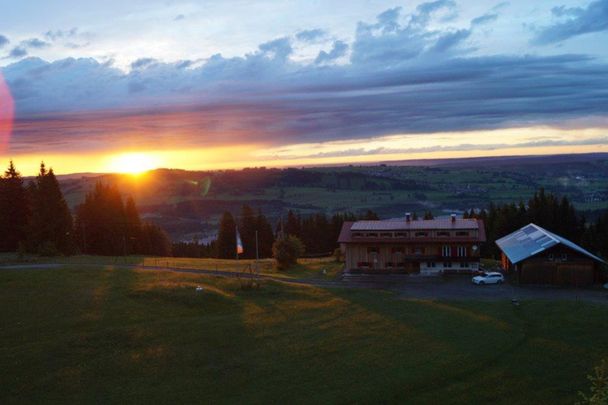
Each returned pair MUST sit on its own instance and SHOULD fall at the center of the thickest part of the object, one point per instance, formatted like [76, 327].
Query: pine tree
[226, 238]
[265, 236]
[133, 231]
[14, 210]
[293, 225]
[50, 229]
[101, 222]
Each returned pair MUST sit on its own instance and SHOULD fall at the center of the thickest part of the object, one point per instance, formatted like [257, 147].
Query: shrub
[286, 251]
[48, 249]
[338, 255]
[599, 386]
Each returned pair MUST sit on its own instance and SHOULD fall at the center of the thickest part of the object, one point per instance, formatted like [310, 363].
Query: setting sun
[133, 163]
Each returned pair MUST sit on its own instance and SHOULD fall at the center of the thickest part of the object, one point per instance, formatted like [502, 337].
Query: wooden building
[405, 245]
[536, 256]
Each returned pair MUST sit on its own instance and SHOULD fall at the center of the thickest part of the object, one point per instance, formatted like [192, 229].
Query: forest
[35, 218]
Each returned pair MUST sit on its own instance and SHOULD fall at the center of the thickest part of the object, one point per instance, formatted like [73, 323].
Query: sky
[126, 86]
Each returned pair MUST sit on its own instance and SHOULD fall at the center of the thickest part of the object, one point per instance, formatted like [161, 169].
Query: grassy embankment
[111, 334]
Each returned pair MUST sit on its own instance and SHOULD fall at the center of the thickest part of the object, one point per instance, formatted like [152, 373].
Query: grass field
[322, 268]
[105, 334]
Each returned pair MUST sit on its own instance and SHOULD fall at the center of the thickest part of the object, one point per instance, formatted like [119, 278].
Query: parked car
[489, 278]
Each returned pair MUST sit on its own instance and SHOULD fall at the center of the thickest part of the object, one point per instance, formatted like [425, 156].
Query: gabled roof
[346, 233]
[532, 240]
[399, 224]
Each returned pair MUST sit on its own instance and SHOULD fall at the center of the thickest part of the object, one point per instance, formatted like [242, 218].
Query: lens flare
[134, 163]
[7, 112]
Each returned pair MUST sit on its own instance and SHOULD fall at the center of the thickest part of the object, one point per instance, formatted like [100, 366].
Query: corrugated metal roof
[531, 240]
[403, 225]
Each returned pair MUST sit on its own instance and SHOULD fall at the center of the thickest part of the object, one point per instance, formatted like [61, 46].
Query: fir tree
[265, 236]
[50, 229]
[226, 239]
[14, 210]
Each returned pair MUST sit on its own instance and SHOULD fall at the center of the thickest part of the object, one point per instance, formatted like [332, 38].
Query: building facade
[411, 246]
[533, 255]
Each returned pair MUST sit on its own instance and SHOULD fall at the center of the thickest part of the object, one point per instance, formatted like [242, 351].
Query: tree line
[318, 234]
[35, 218]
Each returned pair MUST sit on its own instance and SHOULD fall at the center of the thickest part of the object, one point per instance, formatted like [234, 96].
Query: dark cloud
[17, 52]
[311, 35]
[278, 49]
[3, 41]
[143, 62]
[450, 40]
[338, 50]
[573, 22]
[35, 43]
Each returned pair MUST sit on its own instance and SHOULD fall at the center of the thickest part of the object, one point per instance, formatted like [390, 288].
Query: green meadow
[117, 335]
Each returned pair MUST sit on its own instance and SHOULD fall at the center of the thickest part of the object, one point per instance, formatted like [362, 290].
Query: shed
[538, 256]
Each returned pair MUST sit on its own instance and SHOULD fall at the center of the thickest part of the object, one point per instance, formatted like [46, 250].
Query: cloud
[179, 17]
[573, 22]
[390, 41]
[311, 35]
[3, 41]
[338, 50]
[401, 77]
[61, 34]
[17, 52]
[462, 147]
[484, 19]
[142, 62]
[450, 40]
[426, 10]
[278, 49]
[35, 43]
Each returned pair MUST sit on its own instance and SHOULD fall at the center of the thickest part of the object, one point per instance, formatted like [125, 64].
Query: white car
[489, 278]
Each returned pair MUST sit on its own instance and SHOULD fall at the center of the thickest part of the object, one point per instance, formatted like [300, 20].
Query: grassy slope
[321, 268]
[105, 334]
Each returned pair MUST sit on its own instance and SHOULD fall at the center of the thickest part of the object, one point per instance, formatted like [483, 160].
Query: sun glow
[133, 163]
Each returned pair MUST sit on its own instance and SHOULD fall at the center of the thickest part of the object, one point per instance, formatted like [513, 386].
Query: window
[446, 251]
[462, 251]
[464, 265]
[357, 235]
[386, 235]
[430, 264]
[418, 250]
[462, 233]
[372, 250]
[443, 233]
[421, 234]
[447, 264]
[372, 235]
[400, 235]
[564, 257]
[397, 250]
[551, 256]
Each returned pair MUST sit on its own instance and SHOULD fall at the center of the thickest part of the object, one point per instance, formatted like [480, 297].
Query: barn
[536, 256]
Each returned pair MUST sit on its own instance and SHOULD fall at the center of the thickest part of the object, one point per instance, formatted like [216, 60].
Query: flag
[239, 243]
